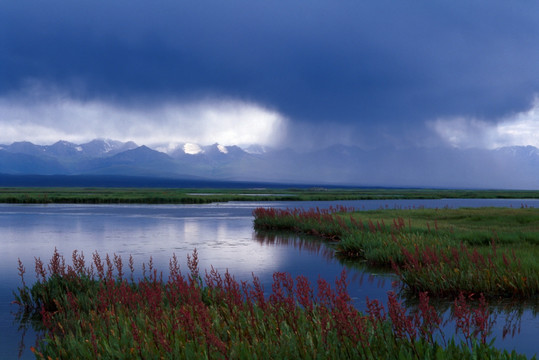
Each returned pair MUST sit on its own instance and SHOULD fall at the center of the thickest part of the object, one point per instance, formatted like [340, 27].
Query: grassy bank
[99, 311]
[23, 195]
[443, 251]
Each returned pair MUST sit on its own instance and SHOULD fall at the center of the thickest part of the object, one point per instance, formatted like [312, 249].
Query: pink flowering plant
[101, 311]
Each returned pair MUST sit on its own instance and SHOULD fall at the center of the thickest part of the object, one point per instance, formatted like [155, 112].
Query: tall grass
[432, 258]
[99, 312]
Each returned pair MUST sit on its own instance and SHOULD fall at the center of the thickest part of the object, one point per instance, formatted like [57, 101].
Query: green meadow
[26, 195]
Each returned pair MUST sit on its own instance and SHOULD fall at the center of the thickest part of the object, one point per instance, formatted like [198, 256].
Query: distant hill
[128, 181]
[515, 167]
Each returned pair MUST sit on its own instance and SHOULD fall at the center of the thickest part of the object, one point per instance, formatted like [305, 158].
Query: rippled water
[222, 234]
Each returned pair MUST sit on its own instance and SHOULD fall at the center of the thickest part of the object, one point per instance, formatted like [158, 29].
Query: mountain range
[515, 167]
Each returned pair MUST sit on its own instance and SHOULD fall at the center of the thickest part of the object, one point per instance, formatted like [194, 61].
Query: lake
[224, 237]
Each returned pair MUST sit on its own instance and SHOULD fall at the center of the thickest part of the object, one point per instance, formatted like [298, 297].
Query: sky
[302, 74]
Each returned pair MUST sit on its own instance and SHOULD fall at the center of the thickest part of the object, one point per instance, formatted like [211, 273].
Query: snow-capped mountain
[181, 149]
[191, 149]
[510, 167]
[65, 149]
[100, 148]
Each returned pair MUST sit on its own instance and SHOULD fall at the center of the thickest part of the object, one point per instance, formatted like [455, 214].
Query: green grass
[474, 226]
[443, 251]
[25, 195]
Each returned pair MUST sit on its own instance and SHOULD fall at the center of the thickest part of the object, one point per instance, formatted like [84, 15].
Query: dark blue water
[223, 236]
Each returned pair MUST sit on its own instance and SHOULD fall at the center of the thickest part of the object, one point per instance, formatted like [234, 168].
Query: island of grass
[490, 251]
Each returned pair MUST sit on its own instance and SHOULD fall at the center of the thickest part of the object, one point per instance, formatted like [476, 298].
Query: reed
[445, 256]
[99, 312]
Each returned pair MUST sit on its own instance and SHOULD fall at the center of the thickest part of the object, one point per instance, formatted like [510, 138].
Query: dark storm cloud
[367, 65]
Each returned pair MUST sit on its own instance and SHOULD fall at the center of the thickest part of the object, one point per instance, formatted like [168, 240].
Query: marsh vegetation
[99, 308]
[489, 251]
[70, 195]
[100, 311]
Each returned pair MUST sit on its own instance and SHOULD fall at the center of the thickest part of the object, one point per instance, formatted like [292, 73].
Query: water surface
[222, 233]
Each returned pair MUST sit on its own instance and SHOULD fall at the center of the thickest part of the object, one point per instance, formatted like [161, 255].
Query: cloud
[521, 128]
[366, 73]
[353, 63]
[45, 115]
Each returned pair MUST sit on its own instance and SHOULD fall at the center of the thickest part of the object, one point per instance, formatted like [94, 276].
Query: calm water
[223, 235]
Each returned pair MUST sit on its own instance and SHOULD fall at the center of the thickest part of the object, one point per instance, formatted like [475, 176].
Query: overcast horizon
[373, 75]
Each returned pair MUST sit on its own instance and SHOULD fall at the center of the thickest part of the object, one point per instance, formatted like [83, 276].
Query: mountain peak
[192, 149]
[222, 148]
[63, 142]
[106, 147]
[142, 148]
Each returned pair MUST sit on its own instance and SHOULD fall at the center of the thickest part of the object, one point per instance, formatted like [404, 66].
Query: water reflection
[224, 237]
[508, 317]
[359, 274]
[312, 245]
[514, 323]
